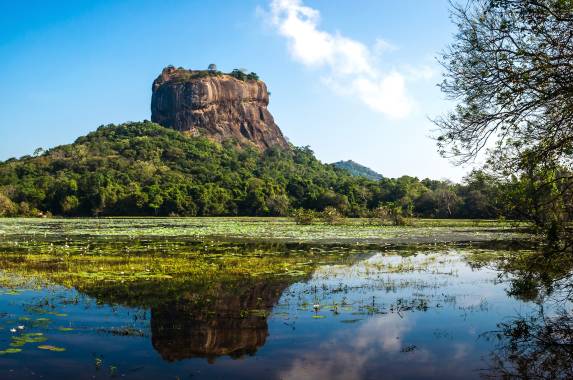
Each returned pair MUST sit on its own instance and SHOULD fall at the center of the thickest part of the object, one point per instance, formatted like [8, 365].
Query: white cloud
[350, 65]
[386, 95]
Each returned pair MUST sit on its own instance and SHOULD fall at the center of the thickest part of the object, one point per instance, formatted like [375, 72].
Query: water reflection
[352, 355]
[304, 313]
[538, 345]
[233, 321]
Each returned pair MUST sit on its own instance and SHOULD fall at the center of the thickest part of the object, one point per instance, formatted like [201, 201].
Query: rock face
[217, 106]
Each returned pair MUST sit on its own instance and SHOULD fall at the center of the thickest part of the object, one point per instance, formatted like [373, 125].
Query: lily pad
[19, 341]
[51, 348]
[10, 351]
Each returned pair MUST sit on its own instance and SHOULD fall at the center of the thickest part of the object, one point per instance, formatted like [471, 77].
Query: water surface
[139, 309]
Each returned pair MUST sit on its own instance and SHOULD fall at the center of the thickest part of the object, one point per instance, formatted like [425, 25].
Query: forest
[145, 169]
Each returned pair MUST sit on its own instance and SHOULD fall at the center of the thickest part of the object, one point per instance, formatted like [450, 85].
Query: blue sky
[354, 80]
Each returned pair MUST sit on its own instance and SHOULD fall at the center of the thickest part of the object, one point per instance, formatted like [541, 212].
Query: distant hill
[358, 170]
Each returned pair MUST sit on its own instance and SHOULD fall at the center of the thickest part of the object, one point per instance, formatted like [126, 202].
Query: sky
[351, 79]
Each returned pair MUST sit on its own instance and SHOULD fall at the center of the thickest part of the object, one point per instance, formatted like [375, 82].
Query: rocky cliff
[215, 105]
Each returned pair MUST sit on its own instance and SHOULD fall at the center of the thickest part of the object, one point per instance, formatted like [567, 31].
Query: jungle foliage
[144, 169]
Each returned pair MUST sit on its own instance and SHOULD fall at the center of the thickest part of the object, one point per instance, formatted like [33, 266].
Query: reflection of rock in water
[230, 320]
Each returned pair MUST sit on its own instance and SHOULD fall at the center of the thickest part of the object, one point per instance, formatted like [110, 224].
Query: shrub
[241, 74]
[7, 207]
[389, 212]
[252, 76]
[24, 209]
[238, 74]
[379, 215]
[303, 216]
[330, 215]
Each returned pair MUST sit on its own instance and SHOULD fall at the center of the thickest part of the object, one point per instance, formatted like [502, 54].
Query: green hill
[356, 169]
[146, 169]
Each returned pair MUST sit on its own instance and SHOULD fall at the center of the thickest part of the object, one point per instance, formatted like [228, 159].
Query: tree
[69, 204]
[447, 201]
[482, 196]
[510, 70]
[212, 67]
[391, 211]
[238, 74]
[252, 76]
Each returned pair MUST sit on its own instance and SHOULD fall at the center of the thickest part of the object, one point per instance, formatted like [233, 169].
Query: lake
[169, 307]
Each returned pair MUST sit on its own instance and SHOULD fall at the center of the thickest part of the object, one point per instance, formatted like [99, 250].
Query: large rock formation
[215, 105]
